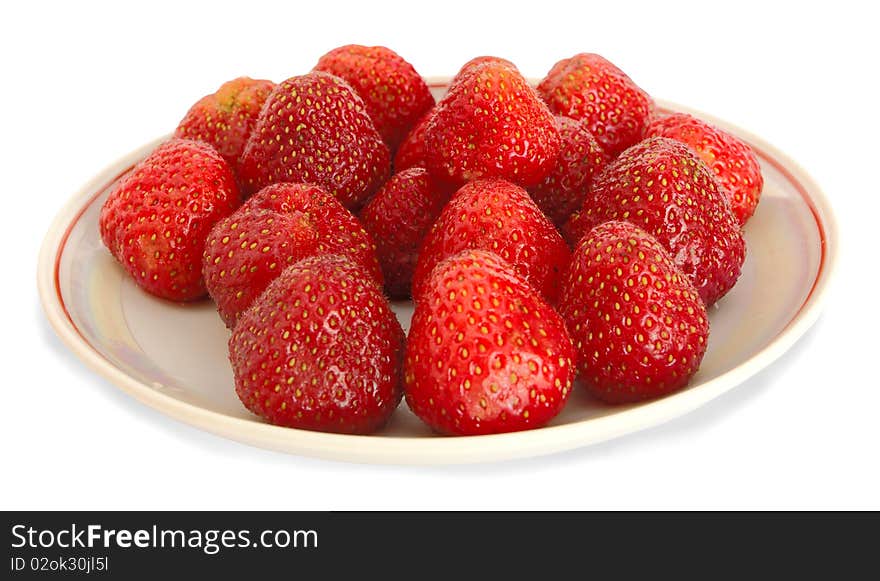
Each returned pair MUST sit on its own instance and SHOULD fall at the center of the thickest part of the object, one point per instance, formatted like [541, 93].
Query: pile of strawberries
[545, 234]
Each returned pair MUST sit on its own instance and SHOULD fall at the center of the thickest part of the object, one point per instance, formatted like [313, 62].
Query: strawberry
[225, 119]
[485, 353]
[398, 217]
[319, 350]
[477, 62]
[580, 158]
[498, 216]
[411, 152]
[278, 226]
[156, 218]
[637, 323]
[314, 129]
[733, 161]
[663, 187]
[587, 86]
[394, 94]
[491, 123]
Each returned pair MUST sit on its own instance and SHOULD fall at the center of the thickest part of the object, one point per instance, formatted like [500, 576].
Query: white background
[83, 85]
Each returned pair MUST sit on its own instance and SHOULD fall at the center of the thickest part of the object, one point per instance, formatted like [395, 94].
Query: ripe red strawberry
[156, 218]
[225, 119]
[637, 323]
[581, 157]
[491, 124]
[732, 160]
[663, 187]
[319, 350]
[314, 129]
[411, 152]
[281, 224]
[398, 217]
[587, 86]
[477, 62]
[498, 216]
[485, 353]
[395, 95]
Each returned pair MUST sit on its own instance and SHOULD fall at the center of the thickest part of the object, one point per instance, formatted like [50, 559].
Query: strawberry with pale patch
[587, 86]
[733, 161]
[663, 187]
[485, 353]
[398, 218]
[395, 95]
[580, 158]
[500, 217]
[320, 349]
[491, 124]
[637, 323]
[280, 225]
[156, 218]
[314, 129]
[224, 119]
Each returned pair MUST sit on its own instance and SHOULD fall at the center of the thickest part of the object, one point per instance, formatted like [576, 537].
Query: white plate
[173, 357]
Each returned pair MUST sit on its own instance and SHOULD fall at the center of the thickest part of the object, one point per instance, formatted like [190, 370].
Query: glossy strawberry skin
[500, 217]
[320, 349]
[485, 353]
[733, 161]
[580, 158]
[411, 152]
[395, 95]
[664, 188]
[638, 325]
[476, 63]
[339, 231]
[398, 217]
[225, 119]
[156, 218]
[491, 124]
[587, 86]
[314, 129]
[281, 224]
